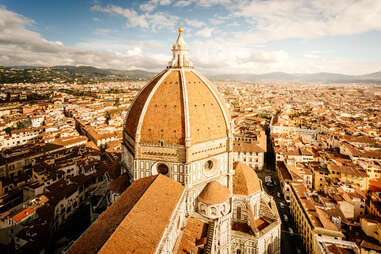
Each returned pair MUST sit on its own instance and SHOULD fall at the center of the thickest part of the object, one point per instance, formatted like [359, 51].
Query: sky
[223, 36]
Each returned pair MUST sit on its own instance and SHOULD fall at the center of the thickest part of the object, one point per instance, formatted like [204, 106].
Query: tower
[179, 126]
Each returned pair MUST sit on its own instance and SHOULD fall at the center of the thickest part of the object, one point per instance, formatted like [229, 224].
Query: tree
[8, 130]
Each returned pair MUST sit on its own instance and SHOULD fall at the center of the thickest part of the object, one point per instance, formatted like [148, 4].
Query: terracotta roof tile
[195, 232]
[214, 193]
[119, 184]
[164, 119]
[132, 120]
[145, 224]
[23, 214]
[242, 146]
[97, 234]
[205, 115]
[245, 180]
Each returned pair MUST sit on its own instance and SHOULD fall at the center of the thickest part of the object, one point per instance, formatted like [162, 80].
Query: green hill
[68, 74]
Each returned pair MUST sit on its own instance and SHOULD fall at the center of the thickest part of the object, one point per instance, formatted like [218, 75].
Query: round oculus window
[209, 165]
[162, 169]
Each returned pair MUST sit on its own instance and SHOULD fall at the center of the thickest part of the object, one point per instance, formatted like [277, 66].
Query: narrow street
[291, 242]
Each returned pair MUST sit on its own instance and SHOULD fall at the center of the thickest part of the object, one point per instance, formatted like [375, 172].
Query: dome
[178, 105]
[245, 180]
[214, 193]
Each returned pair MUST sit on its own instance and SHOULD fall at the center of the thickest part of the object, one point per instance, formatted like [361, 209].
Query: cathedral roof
[245, 180]
[195, 232]
[127, 225]
[178, 104]
[214, 193]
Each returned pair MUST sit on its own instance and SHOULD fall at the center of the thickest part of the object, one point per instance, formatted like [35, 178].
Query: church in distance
[187, 195]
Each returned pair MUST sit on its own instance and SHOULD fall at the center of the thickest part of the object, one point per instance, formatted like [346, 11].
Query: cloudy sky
[224, 36]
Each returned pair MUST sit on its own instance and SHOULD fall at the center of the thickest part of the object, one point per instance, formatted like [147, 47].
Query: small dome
[245, 180]
[214, 193]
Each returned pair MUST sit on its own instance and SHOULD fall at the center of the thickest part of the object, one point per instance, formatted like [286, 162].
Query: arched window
[270, 248]
[238, 212]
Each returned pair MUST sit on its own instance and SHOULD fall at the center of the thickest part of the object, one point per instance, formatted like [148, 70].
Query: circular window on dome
[209, 165]
[162, 169]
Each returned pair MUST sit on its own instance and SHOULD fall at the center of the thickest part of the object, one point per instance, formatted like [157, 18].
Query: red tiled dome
[160, 111]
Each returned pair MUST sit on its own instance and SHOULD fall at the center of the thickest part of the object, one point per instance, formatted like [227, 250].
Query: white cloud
[152, 4]
[135, 52]
[206, 32]
[183, 3]
[219, 54]
[59, 43]
[133, 18]
[216, 21]
[280, 19]
[159, 21]
[194, 22]
[20, 46]
[209, 3]
[96, 19]
[148, 7]
[154, 21]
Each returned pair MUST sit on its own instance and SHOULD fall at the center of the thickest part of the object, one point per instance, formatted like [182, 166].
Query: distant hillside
[376, 75]
[66, 74]
[88, 74]
[303, 77]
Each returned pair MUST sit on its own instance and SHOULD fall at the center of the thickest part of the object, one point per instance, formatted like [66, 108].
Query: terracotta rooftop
[119, 184]
[195, 233]
[146, 222]
[241, 227]
[335, 249]
[97, 234]
[245, 180]
[242, 146]
[375, 184]
[370, 245]
[214, 193]
[23, 214]
[325, 220]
